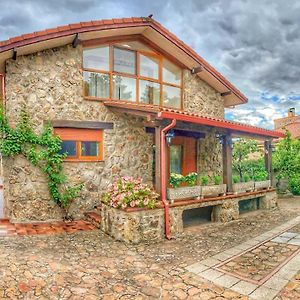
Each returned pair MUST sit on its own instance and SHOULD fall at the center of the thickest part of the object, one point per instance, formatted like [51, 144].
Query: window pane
[149, 66]
[172, 96]
[171, 73]
[124, 88]
[68, 147]
[149, 92]
[124, 61]
[96, 84]
[89, 148]
[96, 58]
[176, 159]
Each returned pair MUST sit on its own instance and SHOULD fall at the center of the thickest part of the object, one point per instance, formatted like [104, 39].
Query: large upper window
[81, 144]
[131, 71]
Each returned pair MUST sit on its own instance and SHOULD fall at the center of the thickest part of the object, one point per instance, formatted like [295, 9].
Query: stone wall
[200, 98]
[146, 225]
[49, 85]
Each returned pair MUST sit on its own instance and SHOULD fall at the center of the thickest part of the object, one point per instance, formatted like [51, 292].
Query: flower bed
[129, 192]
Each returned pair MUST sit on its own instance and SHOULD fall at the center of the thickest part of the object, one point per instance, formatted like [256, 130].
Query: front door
[182, 155]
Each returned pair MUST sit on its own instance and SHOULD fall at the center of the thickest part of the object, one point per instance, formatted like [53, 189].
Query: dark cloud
[254, 43]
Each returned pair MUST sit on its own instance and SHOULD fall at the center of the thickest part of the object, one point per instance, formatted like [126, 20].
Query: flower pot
[183, 192]
[243, 187]
[213, 190]
[261, 185]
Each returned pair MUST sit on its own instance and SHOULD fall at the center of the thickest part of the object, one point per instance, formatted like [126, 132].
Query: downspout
[163, 176]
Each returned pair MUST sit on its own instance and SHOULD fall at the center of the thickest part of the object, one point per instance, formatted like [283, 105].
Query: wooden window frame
[75, 134]
[154, 53]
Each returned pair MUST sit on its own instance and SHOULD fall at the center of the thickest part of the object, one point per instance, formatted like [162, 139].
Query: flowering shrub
[176, 180]
[129, 192]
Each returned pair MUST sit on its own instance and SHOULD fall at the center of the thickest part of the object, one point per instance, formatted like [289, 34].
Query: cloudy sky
[254, 43]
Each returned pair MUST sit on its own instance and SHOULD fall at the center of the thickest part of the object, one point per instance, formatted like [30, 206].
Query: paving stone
[197, 268]
[281, 240]
[294, 242]
[275, 283]
[288, 235]
[244, 287]
[226, 280]
[210, 262]
[263, 293]
[223, 256]
[210, 274]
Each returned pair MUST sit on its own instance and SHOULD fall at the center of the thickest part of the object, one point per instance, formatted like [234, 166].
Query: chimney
[291, 112]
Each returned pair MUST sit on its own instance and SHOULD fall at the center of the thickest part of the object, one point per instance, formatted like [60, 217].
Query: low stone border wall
[144, 225]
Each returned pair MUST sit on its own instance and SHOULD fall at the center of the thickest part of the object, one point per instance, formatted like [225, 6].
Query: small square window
[69, 147]
[89, 149]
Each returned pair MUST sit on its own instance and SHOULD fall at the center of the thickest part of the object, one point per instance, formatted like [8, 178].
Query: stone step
[93, 218]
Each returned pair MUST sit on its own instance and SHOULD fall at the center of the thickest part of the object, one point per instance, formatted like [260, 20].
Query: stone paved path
[13, 229]
[90, 265]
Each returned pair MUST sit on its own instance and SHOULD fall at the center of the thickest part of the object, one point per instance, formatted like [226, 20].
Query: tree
[240, 155]
[286, 159]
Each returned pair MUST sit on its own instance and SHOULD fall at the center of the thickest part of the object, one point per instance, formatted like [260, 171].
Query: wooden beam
[197, 70]
[178, 132]
[76, 41]
[157, 157]
[81, 124]
[268, 159]
[226, 93]
[138, 113]
[14, 56]
[227, 161]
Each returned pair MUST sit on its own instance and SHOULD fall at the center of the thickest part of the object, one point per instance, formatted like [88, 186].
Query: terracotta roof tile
[227, 124]
[63, 28]
[108, 22]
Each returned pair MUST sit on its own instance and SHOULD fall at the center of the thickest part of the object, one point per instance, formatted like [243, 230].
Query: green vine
[43, 151]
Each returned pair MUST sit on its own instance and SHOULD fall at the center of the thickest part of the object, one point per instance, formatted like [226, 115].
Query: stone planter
[183, 192]
[261, 185]
[213, 190]
[243, 187]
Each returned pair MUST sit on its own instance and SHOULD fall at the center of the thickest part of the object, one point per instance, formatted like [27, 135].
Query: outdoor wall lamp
[169, 136]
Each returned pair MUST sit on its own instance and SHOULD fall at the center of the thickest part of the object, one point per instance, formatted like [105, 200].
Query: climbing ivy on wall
[43, 151]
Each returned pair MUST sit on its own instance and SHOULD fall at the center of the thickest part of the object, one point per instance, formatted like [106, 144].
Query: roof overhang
[236, 129]
[145, 27]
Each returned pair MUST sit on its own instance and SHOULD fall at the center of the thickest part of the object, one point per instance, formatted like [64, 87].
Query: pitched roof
[98, 25]
[293, 128]
[169, 113]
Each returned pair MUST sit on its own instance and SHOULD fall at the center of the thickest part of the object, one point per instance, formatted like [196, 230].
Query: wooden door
[182, 155]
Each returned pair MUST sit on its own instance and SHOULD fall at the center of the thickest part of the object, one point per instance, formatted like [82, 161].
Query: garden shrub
[236, 179]
[204, 180]
[217, 179]
[260, 175]
[294, 185]
[176, 180]
[191, 178]
[246, 178]
[129, 192]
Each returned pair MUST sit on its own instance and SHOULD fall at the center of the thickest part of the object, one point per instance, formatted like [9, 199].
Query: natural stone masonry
[49, 85]
[148, 225]
[258, 268]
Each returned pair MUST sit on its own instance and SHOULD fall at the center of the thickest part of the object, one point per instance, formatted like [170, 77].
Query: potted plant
[261, 181]
[218, 189]
[242, 187]
[183, 192]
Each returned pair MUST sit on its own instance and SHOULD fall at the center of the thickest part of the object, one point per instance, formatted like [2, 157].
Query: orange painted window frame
[137, 76]
[79, 136]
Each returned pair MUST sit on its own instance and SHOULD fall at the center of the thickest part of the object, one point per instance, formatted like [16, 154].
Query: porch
[166, 125]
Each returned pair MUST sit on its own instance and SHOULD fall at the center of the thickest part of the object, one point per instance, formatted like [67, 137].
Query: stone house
[112, 90]
[291, 123]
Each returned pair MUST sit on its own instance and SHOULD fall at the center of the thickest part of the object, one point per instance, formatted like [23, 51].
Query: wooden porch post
[268, 160]
[157, 158]
[227, 161]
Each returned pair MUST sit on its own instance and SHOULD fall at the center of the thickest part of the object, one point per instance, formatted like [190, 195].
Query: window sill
[82, 160]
